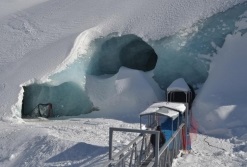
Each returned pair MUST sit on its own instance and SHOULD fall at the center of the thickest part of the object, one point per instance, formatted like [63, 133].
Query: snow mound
[123, 95]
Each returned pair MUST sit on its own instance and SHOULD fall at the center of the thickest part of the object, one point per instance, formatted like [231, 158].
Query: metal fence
[139, 151]
[136, 152]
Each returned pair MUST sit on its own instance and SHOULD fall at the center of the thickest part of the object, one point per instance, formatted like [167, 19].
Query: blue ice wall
[188, 53]
[113, 52]
[68, 99]
[185, 54]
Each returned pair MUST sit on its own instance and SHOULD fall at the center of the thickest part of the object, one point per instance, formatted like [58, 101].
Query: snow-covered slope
[42, 37]
[7, 7]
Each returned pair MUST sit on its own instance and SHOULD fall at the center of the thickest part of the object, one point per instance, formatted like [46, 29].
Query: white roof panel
[167, 112]
[165, 108]
[179, 85]
[162, 111]
[171, 105]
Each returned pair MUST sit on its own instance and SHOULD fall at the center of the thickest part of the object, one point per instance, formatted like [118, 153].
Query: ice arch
[138, 55]
[128, 50]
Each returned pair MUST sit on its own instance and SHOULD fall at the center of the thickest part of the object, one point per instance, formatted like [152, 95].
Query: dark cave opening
[128, 50]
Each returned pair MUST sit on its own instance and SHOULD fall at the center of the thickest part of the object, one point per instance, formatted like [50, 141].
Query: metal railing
[139, 153]
[136, 152]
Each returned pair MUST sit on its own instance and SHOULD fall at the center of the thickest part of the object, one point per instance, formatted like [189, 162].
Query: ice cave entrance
[69, 98]
[44, 100]
[129, 51]
[186, 54]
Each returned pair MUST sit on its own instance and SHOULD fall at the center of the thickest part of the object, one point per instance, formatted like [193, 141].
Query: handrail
[138, 147]
[139, 150]
[136, 140]
[126, 148]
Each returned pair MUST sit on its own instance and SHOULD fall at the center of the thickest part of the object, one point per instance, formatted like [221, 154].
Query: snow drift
[124, 95]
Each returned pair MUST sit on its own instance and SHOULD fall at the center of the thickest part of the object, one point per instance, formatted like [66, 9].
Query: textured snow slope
[7, 7]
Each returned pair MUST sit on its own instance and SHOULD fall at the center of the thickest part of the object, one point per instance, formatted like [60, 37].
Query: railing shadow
[81, 154]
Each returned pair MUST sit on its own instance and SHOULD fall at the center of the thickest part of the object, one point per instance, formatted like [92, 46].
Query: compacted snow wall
[186, 54]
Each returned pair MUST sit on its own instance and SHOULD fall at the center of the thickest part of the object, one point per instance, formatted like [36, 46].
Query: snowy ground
[37, 36]
[69, 142]
[209, 151]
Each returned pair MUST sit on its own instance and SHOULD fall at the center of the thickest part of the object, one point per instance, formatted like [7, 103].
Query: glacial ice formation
[68, 99]
[186, 54]
[114, 52]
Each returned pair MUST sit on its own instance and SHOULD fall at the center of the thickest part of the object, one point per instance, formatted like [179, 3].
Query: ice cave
[186, 54]
[114, 52]
[70, 98]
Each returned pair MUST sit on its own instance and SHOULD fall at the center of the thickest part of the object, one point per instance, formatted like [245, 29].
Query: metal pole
[157, 137]
[110, 143]
[172, 126]
[149, 121]
[140, 122]
[166, 156]
[131, 157]
[141, 151]
[186, 125]
[186, 97]
[167, 99]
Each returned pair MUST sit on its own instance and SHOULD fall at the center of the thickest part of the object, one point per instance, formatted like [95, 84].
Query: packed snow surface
[51, 42]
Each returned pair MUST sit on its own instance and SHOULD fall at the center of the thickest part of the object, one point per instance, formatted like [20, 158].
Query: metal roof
[165, 108]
